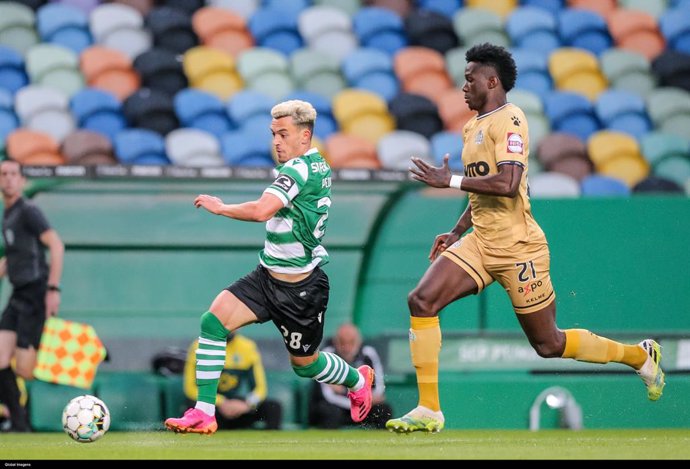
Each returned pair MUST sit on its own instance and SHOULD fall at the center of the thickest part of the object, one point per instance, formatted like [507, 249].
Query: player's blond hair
[302, 112]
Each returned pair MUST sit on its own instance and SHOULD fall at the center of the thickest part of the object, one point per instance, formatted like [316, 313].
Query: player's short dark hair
[498, 58]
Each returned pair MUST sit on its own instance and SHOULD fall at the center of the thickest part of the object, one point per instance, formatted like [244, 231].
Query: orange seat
[453, 109]
[411, 61]
[109, 70]
[33, 148]
[351, 151]
[602, 7]
[429, 84]
[637, 31]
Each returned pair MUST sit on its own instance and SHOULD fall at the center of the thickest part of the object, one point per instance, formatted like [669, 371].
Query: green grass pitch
[357, 444]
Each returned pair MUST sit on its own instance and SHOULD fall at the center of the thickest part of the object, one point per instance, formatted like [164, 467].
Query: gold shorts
[522, 270]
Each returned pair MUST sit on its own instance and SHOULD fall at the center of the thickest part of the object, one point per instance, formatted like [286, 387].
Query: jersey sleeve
[511, 139]
[292, 177]
[36, 222]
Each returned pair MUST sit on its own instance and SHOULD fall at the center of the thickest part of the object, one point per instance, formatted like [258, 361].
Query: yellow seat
[371, 126]
[500, 7]
[606, 145]
[628, 168]
[198, 62]
[566, 61]
[350, 103]
[590, 84]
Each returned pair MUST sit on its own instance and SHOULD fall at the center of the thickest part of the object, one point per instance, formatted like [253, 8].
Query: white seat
[34, 99]
[110, 17]
[244, 8]
[185, 145]
[396, 148]
[553, 185]
[54, 122]
[317, 20]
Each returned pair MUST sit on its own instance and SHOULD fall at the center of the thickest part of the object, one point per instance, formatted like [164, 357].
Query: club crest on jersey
[479, 138]
[514, 143]
[284, 182]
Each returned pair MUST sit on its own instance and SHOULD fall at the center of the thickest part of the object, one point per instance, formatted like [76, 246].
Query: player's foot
[651, 372]
[360, 401]
[419, 419]
[193, 421]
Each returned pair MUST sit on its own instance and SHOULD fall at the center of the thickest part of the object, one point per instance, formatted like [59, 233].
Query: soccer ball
[85, 418]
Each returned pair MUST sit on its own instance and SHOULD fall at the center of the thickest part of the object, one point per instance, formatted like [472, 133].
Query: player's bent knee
[420, 305]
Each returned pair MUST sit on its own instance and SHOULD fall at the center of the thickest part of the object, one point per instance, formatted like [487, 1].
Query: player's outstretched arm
[257, 210]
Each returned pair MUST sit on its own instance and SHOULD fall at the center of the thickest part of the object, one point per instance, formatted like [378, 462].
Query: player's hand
[209, 202]
[431, 175]
[52, 303]
[441, 243]
[233, 408]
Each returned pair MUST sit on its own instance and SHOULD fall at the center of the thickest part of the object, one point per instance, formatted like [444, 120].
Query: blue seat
[379, 28]
[533, 71]
[12, 72]
[140, 146]
[364, 61]
[451, 143]
[242, 147]
[571, 113]
[533, 28]
[584, 29]
[201, 110]
[291, 5]
[325, 122]
[624, 111]
[276, 28]
[8, 120]
[248, 103]
[98, 110]
[675, 26]
[445, 7]
[65, 25]
[384, 84]
[597, 185]
[552, 6]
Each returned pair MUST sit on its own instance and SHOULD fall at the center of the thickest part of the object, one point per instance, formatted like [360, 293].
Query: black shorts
[25, 314]
[297, 309]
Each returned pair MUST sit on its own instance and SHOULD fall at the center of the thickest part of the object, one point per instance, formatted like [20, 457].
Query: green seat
[627, 70]
[46, 402]
[656, 146]
[349, 6]
[527, 101]
[667, 103]
[675, 168]
[316, 72]
[134, 400]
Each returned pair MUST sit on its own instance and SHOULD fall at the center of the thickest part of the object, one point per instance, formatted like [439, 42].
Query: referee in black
[35, 287]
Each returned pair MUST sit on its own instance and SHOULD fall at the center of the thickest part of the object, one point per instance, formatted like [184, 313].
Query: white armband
[455, 181]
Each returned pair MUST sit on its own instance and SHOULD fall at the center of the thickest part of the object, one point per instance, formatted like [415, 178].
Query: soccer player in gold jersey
[507, 245]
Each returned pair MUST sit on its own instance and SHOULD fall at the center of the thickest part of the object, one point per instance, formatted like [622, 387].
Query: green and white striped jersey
[293, 235]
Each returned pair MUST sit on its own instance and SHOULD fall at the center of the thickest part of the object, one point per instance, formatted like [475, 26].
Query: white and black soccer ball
[85, 418]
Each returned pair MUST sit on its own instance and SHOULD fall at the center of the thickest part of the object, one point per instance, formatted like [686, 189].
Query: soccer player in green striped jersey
[288, 286]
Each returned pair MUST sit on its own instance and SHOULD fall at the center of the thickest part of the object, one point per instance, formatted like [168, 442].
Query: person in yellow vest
[241, 398]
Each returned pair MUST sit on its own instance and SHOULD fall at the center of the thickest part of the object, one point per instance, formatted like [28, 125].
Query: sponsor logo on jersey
[479, 168]
[514, 143]
[284, 182]
[479, 138]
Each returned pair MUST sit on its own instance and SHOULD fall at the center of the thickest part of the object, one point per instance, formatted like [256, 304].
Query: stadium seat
[417, 114]
[577, 70]
[430, 29]
[379, 28]
[85, 147]
[627, 70]
[396, 148]
[673, 69]
[98, 111]
[637, 31]
[584, 29]
[669, 109]
[533, 71]
[533, 28]
[140, 146]
[572, 113]
[223, 29]
[477, 25]
[317, 72]
[674, 26]
[202, 110]
[193, 147]
[266, 71]
[17, 27]
[64, 25]
[449, 143]
[598, 185]
[453, 110]
[445, 7]
[244, 8]
[12, 73]
[171, 29]
[325, 122]
[161, 69]
[54, 66]
[351, 151]
[276, 28]
[45, 110]
[8, 120]
[120, 27]
[30, 147]
[212, 70]
[151, 109]
[658, 185]
[617, 154]
[623, 111]
[549, 185]
[109, 70]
